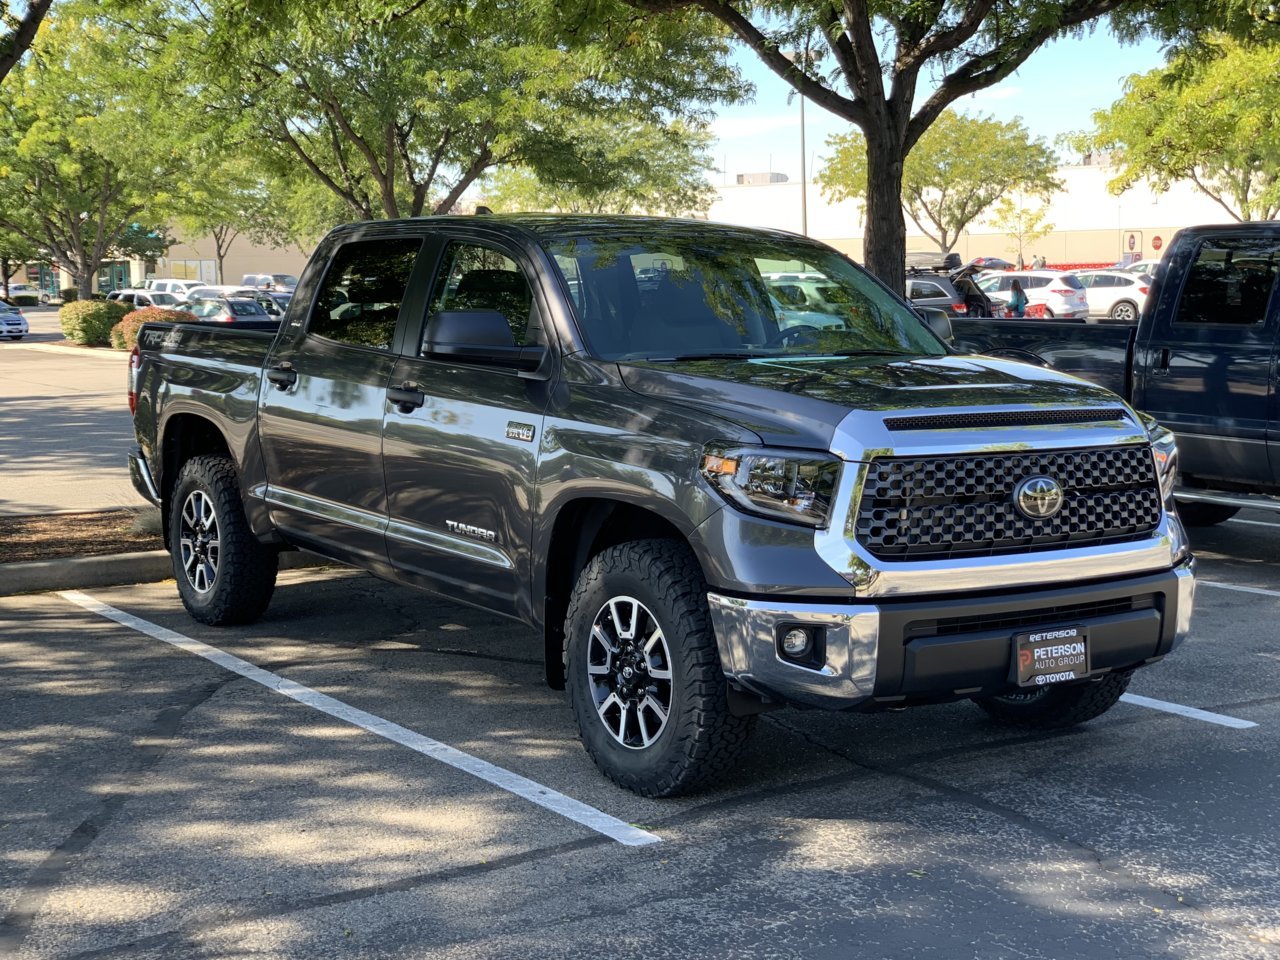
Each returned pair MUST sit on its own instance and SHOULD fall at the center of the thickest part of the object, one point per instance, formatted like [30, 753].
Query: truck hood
[799, 401]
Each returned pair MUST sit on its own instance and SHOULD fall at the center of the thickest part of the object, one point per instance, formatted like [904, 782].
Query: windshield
[685, 294]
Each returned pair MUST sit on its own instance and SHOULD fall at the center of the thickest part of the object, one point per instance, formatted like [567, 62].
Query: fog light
[795, 642]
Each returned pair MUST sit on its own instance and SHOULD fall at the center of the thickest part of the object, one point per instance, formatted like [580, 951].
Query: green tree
[892, 67]
[634, 168]
[397, 112]
[1212, 116]
[1022, 224]
[80, 177]
[959, 167]
[15, 252]
[231, 196]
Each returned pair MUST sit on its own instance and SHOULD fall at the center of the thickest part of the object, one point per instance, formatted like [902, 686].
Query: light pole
[801, 59]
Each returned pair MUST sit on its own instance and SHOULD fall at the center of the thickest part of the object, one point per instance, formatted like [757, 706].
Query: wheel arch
[582, 528]
[186, 435]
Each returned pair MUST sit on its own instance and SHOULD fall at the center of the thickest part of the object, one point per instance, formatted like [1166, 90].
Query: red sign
[1156, 243]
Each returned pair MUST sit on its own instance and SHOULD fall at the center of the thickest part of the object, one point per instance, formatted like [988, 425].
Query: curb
[114, 570]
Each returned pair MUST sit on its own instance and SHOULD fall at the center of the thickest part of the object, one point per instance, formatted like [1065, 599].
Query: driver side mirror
[939, 322]
[482, 337]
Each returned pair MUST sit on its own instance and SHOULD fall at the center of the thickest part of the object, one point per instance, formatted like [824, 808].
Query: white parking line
[1193, 712]
[1238, 589]
[1257, 523]
[504, 779]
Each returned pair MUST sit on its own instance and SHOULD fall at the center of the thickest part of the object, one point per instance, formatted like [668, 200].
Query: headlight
[779, 484]
[1164, 448]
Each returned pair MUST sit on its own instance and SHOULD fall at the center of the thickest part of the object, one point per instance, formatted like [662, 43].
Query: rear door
[460, 466]
[323, 394]
[1207, 371]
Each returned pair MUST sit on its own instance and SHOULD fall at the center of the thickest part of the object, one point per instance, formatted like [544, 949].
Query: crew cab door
[324, 392]
[461, 435]
[1206, 369]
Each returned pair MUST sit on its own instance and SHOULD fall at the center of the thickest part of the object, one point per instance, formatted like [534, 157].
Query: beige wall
[243, 257]
[1091, 225]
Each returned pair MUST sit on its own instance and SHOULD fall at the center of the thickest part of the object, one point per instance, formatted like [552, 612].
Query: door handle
[407, 397]
[283, 375]
[1161, 368]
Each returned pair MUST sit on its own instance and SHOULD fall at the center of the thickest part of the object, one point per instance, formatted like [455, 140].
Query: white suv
[178, 288]
[1061, 294]
[1115, 294]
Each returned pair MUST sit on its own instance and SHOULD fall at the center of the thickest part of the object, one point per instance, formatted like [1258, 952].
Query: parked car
[178, 288]
[988, 263]
[1115, 294]
[1201, 360]
[935, 290]
[1061, 294]
[13, 325]
[1139, 266]
[144, 298]
[818, 295]
[27, 290]
[270, 281]
[699, 513]
[270, 302]
[227, 310]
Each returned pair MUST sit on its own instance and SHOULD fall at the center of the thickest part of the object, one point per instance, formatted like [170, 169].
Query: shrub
[125, 333]
[69, 294]
[89, 322]
[25, 300]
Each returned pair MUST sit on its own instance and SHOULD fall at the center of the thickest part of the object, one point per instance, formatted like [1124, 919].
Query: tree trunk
[4, 275]
[885, 241]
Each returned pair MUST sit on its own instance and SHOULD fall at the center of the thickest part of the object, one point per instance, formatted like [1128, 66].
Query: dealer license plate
[1050, 655]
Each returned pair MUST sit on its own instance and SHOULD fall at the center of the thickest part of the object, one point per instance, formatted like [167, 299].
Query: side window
[477, 277]
[921, 290]
[359, 301]
[1230, 282]
[1031, 283]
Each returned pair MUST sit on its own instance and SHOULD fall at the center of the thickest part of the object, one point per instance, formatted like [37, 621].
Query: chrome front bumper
[866, 655]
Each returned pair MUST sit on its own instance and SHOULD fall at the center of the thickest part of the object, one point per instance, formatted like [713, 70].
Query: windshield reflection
[700, 292]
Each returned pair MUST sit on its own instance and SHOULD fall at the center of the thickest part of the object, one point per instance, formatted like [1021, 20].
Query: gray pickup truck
[705, 505]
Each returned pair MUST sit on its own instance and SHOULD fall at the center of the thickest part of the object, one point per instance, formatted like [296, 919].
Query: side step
[1255, 501]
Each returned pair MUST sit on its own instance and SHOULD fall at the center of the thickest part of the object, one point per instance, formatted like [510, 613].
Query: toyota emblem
[1038, 498]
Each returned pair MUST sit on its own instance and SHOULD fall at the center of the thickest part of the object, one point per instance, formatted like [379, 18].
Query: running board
[1242, 500]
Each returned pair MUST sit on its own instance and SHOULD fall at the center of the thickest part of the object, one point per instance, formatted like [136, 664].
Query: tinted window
[1072, 282]
[247, 308]
[921, 290]
[359, 300]
[1030, 283]
[476, 277]
[1230, 281]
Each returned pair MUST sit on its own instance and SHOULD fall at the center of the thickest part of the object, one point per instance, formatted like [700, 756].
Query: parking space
[157, 804]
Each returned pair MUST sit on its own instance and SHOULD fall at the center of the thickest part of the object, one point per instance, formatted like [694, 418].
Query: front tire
[225, 575]
[1056, 707]
[644, 676]
[1196, 514]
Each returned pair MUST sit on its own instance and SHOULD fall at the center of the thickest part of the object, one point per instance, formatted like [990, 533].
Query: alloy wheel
[199, 541]
[629, 672]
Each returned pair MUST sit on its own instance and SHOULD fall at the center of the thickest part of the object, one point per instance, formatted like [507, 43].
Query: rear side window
[925, 291]
[1072, 282]
[1230, 282]
[359, 301]
[247, 309]
[1030, 283]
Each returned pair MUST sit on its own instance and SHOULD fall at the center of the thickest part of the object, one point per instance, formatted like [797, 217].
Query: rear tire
[225, 575]
[1055, 707]
[1195, 514]
[643, 671]
[1124, 312]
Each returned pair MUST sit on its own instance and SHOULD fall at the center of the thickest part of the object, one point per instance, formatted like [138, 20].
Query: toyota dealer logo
[1038, 498]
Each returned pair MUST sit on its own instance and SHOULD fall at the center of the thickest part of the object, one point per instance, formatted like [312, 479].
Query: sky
[1054, 92]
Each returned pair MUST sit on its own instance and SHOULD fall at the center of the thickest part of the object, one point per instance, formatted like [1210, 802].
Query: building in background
[1090, 225]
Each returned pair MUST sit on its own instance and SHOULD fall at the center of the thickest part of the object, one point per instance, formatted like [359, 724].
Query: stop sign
[1156, 243]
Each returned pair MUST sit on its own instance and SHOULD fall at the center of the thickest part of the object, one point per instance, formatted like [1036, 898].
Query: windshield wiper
[870, 353]
[708, 356]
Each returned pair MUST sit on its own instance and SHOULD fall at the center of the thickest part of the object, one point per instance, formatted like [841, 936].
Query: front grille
[936, 508]
[1064, 615]
[1002, 418]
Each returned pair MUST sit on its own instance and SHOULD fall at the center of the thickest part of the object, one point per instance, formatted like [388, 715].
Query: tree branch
[13, 46]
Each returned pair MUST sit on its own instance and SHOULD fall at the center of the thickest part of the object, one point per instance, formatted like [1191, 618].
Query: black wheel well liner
[186, 435]
[582, 529]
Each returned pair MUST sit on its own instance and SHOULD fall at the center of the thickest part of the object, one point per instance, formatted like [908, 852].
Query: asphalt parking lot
[157, 804]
